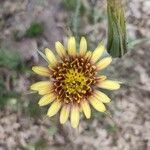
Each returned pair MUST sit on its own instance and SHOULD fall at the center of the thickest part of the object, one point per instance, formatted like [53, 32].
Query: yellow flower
[73, 81]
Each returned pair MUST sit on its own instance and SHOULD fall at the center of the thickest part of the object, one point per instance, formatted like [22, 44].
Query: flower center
[73, 79]
[75, 82]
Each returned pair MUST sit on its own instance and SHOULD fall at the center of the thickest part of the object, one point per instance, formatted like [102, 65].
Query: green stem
[76, 20]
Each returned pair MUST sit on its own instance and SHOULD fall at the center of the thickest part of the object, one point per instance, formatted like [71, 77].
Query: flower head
[73, 82]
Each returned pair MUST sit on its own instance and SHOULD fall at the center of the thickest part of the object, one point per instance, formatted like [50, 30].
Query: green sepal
[116, 43]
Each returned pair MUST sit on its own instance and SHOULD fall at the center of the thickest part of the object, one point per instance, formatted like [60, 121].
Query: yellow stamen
[74, 82]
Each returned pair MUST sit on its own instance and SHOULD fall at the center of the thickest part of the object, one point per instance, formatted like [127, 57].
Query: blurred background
[28, 25]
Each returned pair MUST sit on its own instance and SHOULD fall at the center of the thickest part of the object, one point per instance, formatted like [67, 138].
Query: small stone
[146, 7]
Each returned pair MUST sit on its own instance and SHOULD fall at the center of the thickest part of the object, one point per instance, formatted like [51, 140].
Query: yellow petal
[101, 78]
[101, 96]
[43, 87]
[88, 55]
[103, 63]
[50, 56]
[40, 85]
[54, 108]
[71, 46]
[64, 114]
[97, 53]
[74, 116]
[60, 49]
[98, 105]
[47, 99]
[45, 91]
[86, 109]
[41, 71]
[109, 84]
[83, 46]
